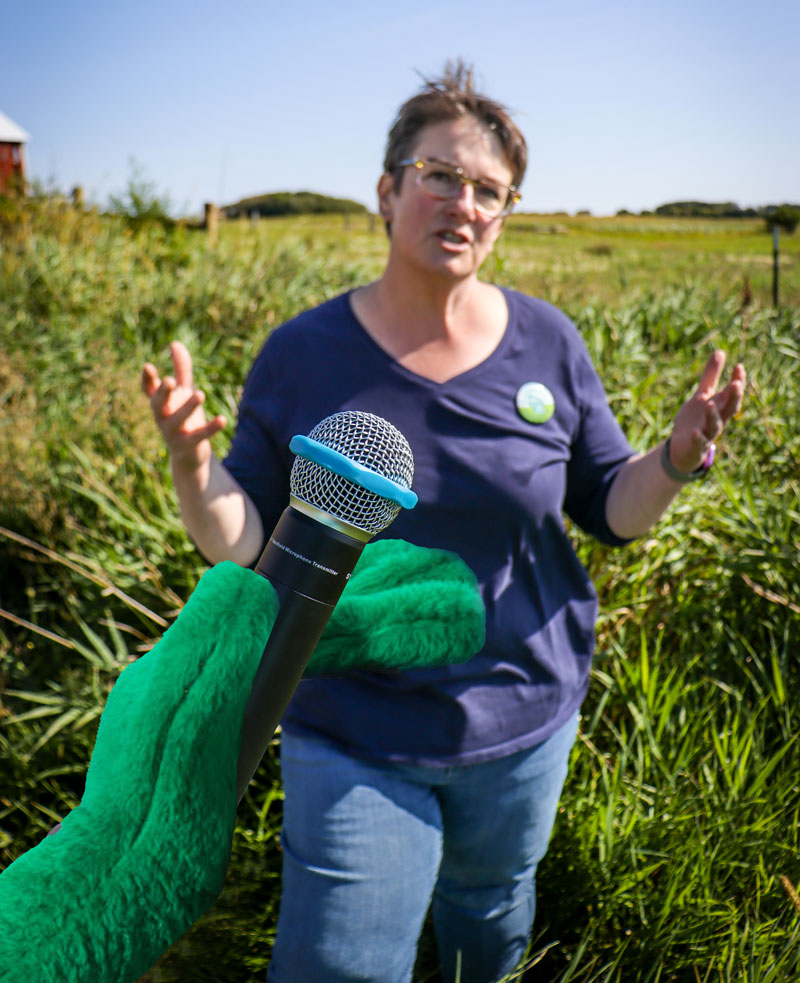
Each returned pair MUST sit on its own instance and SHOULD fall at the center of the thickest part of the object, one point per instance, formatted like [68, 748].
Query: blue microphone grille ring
[361, 473]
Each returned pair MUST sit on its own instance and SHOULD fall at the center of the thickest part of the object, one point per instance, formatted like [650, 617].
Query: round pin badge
[535, 402]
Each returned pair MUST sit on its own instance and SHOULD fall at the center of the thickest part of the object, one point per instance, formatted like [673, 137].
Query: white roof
[10, 132]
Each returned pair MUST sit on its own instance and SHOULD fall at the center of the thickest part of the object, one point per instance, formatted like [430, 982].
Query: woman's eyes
[488, 192]
[445, 177]
[449, 181]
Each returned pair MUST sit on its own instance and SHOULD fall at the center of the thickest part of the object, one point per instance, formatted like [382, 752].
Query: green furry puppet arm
[146, 851]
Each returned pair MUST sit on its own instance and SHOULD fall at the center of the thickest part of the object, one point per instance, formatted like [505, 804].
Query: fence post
[775, 264]
[211, 222]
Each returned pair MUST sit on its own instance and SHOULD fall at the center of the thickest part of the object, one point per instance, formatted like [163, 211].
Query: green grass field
[676, 848]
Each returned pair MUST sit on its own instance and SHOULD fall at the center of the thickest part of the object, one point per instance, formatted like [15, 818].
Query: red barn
[12, 154]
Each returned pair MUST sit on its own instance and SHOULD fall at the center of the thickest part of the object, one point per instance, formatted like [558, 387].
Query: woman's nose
[465, 199]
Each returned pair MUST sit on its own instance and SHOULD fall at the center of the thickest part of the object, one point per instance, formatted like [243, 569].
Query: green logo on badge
[535, 402]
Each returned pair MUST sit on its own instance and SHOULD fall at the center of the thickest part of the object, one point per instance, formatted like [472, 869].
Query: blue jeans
[367, 847]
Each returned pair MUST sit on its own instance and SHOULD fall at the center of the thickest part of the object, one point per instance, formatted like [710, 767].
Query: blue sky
[624, 105]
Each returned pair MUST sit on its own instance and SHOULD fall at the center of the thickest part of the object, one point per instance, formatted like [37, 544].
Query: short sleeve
[255, 458]
[599, 450]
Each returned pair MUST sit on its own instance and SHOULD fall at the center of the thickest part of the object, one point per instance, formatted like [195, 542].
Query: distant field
[571, 259]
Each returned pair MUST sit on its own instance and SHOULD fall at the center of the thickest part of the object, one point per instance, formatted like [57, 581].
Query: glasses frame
[513, 196]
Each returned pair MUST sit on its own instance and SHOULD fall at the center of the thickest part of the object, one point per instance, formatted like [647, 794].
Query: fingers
[176, 415]
[729, 400]
[181, 364]
[197, 435]
[160, 396]
[185, 424]
[175, 422]
[165, 401]
[214, 425]
[150, 380]
[709, 380]
[159, 390]
[734, 393]
[739, 381]
[713, 423]
[178, 409]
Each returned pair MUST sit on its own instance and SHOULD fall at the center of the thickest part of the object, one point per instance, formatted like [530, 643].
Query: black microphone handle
[297, 629]
[308, 563]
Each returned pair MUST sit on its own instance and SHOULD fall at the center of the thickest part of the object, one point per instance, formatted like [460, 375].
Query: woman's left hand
[703, 417]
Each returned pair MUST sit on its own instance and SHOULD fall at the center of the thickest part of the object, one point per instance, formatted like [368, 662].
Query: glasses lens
[439, 180]
[490, 199]
[442, 181]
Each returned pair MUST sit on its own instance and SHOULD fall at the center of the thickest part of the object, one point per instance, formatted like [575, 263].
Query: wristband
[685, 476]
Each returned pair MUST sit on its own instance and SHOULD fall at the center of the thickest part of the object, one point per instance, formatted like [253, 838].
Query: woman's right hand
[178, 411]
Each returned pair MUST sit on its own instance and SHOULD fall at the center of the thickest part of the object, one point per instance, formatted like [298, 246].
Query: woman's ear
[385, 196]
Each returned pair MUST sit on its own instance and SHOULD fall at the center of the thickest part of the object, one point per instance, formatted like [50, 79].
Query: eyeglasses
[443, 181]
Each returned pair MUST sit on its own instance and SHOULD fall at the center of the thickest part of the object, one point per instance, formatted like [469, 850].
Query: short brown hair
[451, 97]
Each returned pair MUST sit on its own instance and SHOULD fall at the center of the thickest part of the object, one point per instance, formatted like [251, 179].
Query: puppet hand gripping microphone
[146, 851]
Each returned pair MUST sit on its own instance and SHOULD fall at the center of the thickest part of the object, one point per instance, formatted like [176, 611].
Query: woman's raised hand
[178, 411]
[704, 415]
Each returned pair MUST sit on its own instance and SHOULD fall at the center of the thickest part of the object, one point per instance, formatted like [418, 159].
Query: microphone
[349, 480]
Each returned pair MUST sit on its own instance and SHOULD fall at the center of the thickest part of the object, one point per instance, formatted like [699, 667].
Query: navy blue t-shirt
[492, 488]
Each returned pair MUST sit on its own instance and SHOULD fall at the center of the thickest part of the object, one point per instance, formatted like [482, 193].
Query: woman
[438, 785]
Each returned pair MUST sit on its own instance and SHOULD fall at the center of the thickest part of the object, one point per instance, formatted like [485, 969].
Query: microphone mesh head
[370, 441]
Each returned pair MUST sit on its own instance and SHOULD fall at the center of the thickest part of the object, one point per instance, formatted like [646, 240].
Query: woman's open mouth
[452, 237]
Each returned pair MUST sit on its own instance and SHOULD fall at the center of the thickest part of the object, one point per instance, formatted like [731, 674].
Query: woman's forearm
[641, 493]
[218, 514]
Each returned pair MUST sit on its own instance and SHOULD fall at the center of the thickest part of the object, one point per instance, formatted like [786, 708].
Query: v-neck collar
[423, 380]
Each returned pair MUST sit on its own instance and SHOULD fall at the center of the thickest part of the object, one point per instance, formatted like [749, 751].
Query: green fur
[404, 608]
[146, 851]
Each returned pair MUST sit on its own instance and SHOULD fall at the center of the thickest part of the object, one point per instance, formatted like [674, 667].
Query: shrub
[786, 217]
[293, 203]
[141, 204]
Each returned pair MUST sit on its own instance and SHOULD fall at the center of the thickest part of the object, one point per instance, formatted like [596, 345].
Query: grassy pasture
[676, 850]
[582, 259]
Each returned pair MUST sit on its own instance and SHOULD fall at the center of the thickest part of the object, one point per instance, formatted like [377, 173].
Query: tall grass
[676, 850]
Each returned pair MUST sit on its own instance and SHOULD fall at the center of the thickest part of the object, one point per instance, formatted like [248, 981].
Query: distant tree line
[292, 203]
[784, 216]
[705, 209]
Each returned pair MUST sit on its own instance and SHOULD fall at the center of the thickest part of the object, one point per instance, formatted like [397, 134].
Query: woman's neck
[436, 330]
[424, 306]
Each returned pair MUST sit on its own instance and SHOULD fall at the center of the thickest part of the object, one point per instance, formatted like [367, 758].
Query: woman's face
[445, 238]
